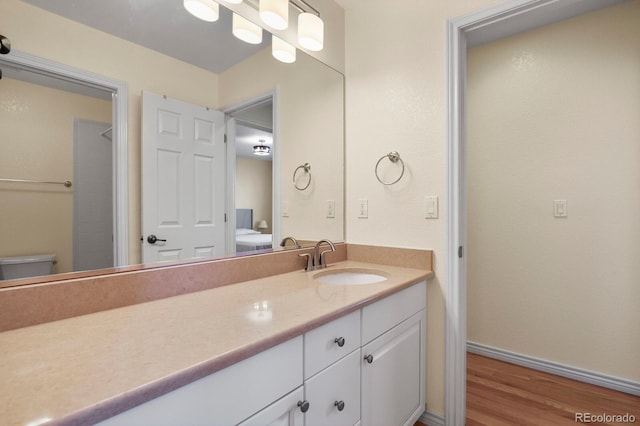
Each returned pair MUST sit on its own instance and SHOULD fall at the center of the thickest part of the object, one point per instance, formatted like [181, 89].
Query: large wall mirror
[56, 131]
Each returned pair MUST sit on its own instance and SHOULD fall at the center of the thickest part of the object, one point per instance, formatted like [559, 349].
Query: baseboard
[431, 419]
[575, 373]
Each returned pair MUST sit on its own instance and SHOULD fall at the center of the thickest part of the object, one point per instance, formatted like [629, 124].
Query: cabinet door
[283, 412]
[334, 394]
[393, 375]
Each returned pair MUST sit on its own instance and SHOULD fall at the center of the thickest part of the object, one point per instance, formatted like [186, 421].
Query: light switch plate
[431, 207]
[331, 209]
[560, 208]
[284, 208]
[363, 208]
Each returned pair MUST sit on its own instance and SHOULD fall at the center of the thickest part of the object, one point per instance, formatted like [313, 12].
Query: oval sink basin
[349, 277]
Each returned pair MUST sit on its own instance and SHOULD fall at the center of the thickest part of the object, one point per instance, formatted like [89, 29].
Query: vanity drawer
[391, 311]
[322, 346]
[334, 394]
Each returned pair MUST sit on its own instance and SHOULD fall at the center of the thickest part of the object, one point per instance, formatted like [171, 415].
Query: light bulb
[275, 13]
[310, 31]
[282, 51]
[207, 10]
[246, 30]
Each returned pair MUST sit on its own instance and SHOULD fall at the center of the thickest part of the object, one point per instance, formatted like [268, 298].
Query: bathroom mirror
[307, 117]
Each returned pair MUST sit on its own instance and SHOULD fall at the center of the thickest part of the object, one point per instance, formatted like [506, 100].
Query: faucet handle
[309, 266]
[323, 262]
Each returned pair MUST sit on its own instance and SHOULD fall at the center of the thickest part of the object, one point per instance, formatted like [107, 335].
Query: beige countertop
[84, 369]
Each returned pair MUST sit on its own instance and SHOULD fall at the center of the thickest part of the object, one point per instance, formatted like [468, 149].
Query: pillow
[245, 231]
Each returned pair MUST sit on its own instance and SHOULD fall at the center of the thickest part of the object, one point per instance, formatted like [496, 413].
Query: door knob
[152, 239]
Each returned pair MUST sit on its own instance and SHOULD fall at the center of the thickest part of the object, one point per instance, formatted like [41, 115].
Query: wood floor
[500, 393]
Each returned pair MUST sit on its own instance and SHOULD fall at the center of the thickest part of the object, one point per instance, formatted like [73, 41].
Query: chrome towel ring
[305, 167]
[394, 157]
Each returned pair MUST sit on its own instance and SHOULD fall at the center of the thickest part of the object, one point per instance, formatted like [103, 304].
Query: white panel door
[183, 180]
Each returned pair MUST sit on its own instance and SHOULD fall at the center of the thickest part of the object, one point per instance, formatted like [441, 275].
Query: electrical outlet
[363, 208]
[560, 208]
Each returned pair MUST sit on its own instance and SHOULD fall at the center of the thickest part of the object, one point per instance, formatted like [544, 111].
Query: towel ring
[306, 167]
[394, 157]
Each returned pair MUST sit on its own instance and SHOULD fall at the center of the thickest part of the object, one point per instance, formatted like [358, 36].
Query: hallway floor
[503, 394]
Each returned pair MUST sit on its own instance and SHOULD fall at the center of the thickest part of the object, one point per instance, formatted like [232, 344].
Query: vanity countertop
[87, 368]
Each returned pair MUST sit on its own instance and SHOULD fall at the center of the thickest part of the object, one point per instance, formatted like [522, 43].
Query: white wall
[396, 100]
[554, 114]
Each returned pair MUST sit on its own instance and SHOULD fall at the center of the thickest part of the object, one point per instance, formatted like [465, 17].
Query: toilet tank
[35, 265]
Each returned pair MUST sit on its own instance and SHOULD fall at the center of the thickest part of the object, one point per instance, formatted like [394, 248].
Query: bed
[246, 238]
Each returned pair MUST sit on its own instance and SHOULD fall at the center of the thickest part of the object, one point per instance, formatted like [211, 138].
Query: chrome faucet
[293, 240]
[318, 256]
[317, 261]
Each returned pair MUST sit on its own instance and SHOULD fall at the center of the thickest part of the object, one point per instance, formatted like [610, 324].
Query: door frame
[487, 25]
[119, 102]
[231, 166]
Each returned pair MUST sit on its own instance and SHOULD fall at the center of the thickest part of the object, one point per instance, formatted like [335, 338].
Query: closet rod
[65, 183]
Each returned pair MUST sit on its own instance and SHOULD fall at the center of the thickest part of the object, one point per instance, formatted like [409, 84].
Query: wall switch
[363, 209]
[560, 208]
[331, 209]
[284, 208]
[431, 207]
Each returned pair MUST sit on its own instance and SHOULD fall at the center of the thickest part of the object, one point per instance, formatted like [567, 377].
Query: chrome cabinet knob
[304, 406]
[339, 341]
[368, 358]
[339, 405]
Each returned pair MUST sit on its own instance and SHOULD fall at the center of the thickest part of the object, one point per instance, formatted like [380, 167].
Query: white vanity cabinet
[332, 372]
[365, 368]
[226, 397]
[287, 411]
[393, 359]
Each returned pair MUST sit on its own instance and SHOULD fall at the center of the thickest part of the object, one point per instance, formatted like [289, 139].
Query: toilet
[35, 265]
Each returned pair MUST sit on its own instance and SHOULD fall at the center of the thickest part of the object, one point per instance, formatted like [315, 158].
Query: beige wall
[554, 114]
[253, 189]
[36, 131]
[396, 100]
[309, 114]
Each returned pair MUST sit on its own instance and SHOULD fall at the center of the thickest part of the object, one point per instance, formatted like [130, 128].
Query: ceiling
[161, 25]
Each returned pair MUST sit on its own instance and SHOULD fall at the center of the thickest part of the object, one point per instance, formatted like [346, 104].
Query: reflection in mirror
[54, 131]
[307, 126]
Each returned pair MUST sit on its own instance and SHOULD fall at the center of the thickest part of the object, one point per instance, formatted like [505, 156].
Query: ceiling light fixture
[261, 149]
[246, 30]
[282, 51]
[275, 13]
[207, 10]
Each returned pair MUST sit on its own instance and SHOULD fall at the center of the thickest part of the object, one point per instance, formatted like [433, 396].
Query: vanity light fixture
[282, 51]
[261, 148]
[275, 13]
[310, 31]
[246, 30]
[207, 10]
